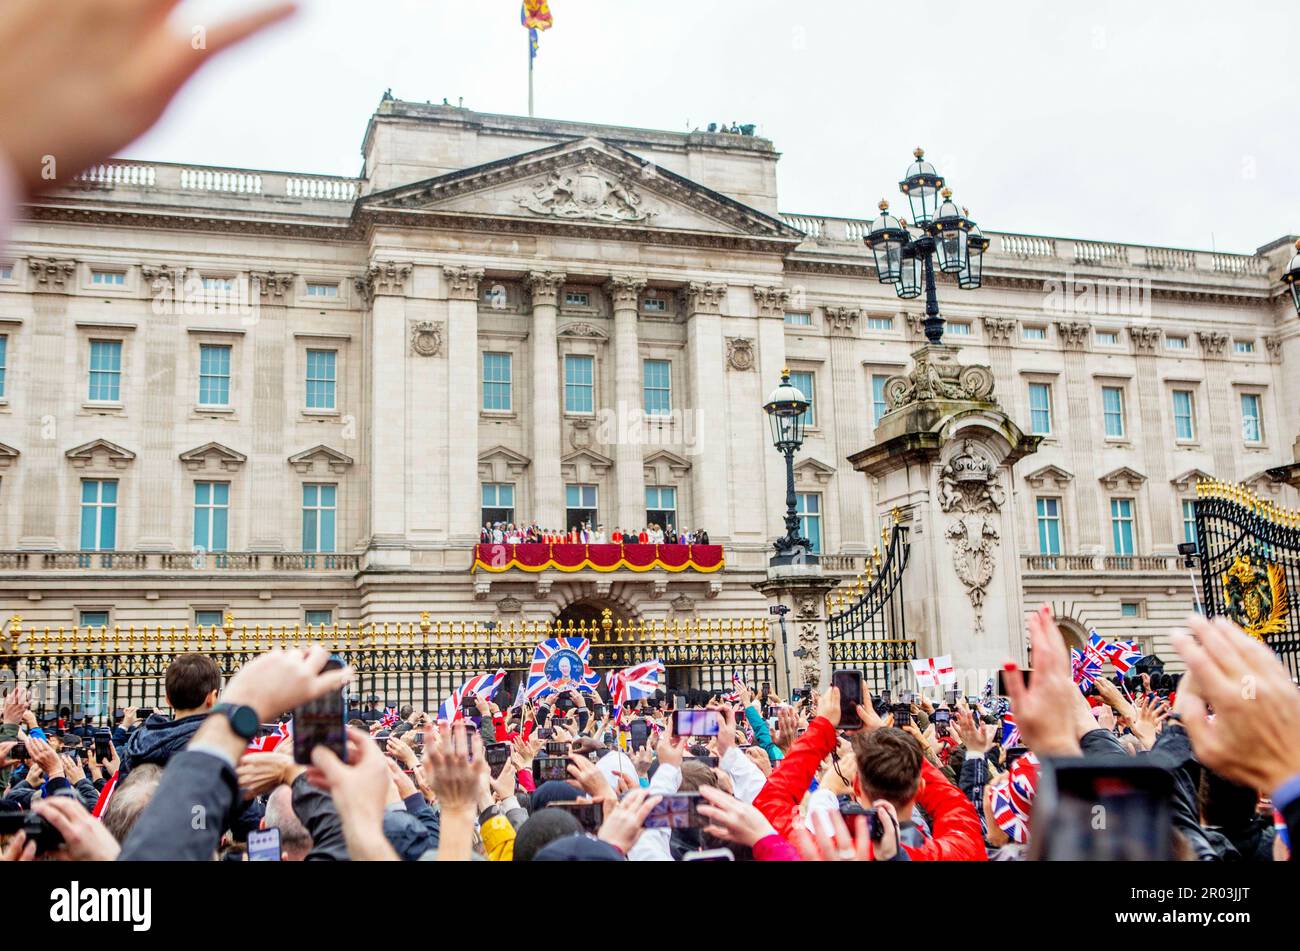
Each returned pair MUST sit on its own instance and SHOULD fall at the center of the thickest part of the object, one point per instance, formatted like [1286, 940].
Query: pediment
[662, 466]
[1051, 477]
[1122, 478]
[8, 455]
[213, 455]
[585, 464]
[1186, 481]
[499, 463]
[320, 459]
[1263, 482]
[584, 182]
[100, 452]
[813, 470]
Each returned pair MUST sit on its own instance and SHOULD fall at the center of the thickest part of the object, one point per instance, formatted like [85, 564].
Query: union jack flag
[1086, 667]
[1012, 799]
[634, 683]
[390, 718]
[480, 685]
[1122, 654]
[1010, 731]
[737, 684]
[268, 743]
[545, 676]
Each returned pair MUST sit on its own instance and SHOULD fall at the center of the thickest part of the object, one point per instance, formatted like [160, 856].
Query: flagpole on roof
[531, 56]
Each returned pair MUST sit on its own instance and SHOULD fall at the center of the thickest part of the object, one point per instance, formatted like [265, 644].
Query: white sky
[1147, 121]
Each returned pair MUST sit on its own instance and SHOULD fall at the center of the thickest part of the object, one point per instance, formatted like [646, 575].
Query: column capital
[1145, 339]
[771, 301]
[462, 282]
[625, 290]
[999, 329]
[843, 321]
[545, 286]
[52, 274]
[384, 278]
[272, 284]
[1212, 342]
[1073, 334]
[702, 297]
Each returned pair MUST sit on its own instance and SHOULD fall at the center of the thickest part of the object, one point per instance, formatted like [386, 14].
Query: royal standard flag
[535, 15]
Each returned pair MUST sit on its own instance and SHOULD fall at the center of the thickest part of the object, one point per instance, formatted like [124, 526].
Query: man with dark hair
[889, 767]
[192, 682]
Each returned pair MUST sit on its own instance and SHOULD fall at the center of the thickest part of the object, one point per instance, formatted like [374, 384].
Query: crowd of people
[571, 778]
[508, 533]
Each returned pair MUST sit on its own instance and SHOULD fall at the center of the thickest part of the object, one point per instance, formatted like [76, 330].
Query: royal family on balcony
[508, 533]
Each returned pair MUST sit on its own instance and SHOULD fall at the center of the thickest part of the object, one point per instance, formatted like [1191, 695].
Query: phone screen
[497, 755]
[1002, 681]
[639, 732]
[546, 768]
[590, 815]
[696, 722]
[902, 714]
[322, 722]
[1136, 804]
[264, 845]
[849, 683]
[676, 811]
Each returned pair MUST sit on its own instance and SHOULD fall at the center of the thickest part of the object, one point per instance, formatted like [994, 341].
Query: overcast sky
[1143, 121]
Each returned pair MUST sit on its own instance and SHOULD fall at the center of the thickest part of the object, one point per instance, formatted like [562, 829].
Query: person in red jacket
[886, 770]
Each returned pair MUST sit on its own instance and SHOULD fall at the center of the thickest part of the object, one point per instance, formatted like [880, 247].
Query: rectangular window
[105, 370]
[108, 278]
[1049, 526]
[805, 382]
[94, 619]
[1243, 346]
[878, 405]
[798, 320]
[222, 284]
[208, 619]
[657, 387]
[580, 506]
[211, 515]
[498, 502]
[4, 362]
[322, 290]
[654, 305]
[577, 299]
[1121, 526]
[1107, 338]
[214, 375]
[322, 370]
[319, 510]
[498, 371]
[959, 328]
[1112, 411]
[661, 505]
[1189, 521]
[1129, 609]
[1040, 409]
[1175, 343]
[809, 507]
[1184, 415]
[6, 272]
[579, 383]
[1252, 425]
[319, 617]
[98, 514]
[1033, 333]
[880, 323]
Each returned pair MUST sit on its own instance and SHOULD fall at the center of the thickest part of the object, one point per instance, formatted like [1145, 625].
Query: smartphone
[696, 722]
[1136, 802]
[764, 690]
[884, 697]
[590, 815]
[676, 811]
[951, 697]
[18, 751]
[497, 755]
[545, 732]
[103, 745]
[908, 697]
[546, 768]
[264, 845]
[849, 683]
[710, 855]
[941, 720]
[902, 714]
[1002, 681]
[638, 732]
[144, 713]
[559, 748]
[322, 722]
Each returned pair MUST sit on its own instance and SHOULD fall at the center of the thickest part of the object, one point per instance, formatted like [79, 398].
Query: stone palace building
[296, 398]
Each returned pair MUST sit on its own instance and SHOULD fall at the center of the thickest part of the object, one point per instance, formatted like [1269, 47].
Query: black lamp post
[1292, 277]
[947, 233]
[785, 410]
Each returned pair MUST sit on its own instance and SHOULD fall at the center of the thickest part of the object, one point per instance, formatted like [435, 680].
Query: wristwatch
[244, 721]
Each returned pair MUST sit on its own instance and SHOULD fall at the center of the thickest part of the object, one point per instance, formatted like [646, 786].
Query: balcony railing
[1099, 563]
[162, 176]
[96, 561]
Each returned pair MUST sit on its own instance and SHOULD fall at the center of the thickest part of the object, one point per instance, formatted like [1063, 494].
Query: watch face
[244, 721]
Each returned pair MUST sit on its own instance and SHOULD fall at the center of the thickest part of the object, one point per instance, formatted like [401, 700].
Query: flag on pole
[482, 685]
[535, 15]
[933, 671]
[560, 664]
[634, 683]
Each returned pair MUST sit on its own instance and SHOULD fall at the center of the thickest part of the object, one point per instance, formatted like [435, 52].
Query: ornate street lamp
[976, 244]
[921, 186]
[785, 410]
[887, 238]
[1292, 277]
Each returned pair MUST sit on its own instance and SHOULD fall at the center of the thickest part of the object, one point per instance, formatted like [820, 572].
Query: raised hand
[360, 789]
[1046, 708]
[975, 735]
[280, 680]
[731, 819]
[455, 764]
[623, 824]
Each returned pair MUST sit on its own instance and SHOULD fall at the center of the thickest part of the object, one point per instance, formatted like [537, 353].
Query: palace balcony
[197, 562]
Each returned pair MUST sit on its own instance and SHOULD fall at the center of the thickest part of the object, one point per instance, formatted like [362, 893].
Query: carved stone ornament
[1212, 342]
[1274, 346]
[740, 353]
[684, 604]
[50, 273]
[588, 194]
[811, 662]
[771, 301]
[426, 338]
[999, 329]
[385, 277]
[806, 606]
[272, 284]
[510, 605]
[936, 375]
[581, 329]
[703, 298]
[462, 282]
[843, 320]
[969, 489]
[1073, 334]
[1145, 339]
[625, 291]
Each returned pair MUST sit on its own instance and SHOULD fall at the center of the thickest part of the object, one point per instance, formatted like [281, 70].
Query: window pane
[804, 382]
[4, 362]
[321, 368]
[808, 506]
[1189, 521]
[1251, 431]
[1112, 403]
[1184, 424]
[317, 618]
[658, 387]
[208, 619]
[214, 375]
[95, 619]
[1040, 409]
[105, 370]
[497, 370]
[579, 374]
[878, 407]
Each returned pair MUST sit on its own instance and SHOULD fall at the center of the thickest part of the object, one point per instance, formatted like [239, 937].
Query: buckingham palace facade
[296, 399]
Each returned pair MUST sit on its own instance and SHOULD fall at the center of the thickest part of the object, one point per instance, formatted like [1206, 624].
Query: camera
[38, 829]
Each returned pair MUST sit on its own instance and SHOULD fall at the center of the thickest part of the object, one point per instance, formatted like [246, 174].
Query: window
[1121, 526]
[322, 369]
[580, 506]
[1040, 409]
[809, 507]
[208, 619]
[498, 368]
[98, 514]
[959, 328]
[96, 619]
[656, 305]
[1189, 521]
[105, 370]
[878, 404]
[1049, 526]
[805, 382]
[322, 290]
[108, 278]
[1112, 411]
[880, 323]
[211, 515]
[798, 320]
[1252, 427]
[1243, 346]
[214, 375]
[577, 299]
[319, 617]
[658, 388]
[221, 284]
[1107, 338]
[1175, 343]
[1184, 415]
[319, 508]
[1129, 609]
[1033, 333]
[6, 272]
[4, 362]
[661, 505]
[579, 384]
[498, 502]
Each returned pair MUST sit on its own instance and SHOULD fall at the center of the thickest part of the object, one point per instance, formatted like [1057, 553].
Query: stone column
[385, 286]
[1083, 455]
[271, 347]
[463, 495]
[802, 656]
[1225, 432]
[771, 303]
[706, 448]
[1150, 407]
[629, 465]
[548, 490]
[846, 390]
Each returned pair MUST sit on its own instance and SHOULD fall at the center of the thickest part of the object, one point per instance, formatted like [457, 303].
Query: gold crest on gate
[1255, 597]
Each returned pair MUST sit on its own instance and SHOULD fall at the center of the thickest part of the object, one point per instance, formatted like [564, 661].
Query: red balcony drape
[566, 557]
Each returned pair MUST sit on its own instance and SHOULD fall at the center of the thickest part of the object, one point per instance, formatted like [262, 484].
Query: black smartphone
[849, 683]
[545, 732]
[639, 732]
[143, 713]
[951, 696]
[497, 755]
[1134, 799]
[941, 719]
[103, 745]
[902, 714]
[546, 768]
[557, 748]
[1002, 681]
[322, 722]
[18, 751]
[696, 722]
[590, 815]
[764, 691]
[676, 811]
[264, 845]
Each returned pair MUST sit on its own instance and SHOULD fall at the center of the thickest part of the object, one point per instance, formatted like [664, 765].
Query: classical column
[463, 496]
[846, 392]
[625, 292]
[705, 435]
[1225, 433]
[548, 490]
[385, 287]
[271, 347]
[770, 303]
[1150, 406]
[1083, 456]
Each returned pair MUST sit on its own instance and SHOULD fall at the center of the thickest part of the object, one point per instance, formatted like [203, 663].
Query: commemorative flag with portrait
[560, 664]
